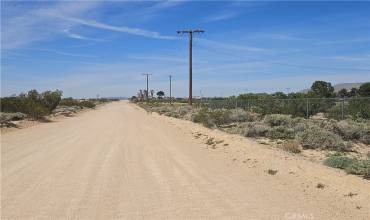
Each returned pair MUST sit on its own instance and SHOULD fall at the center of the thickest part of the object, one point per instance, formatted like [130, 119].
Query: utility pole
[147, 84]
[170, 88]
[190, 33]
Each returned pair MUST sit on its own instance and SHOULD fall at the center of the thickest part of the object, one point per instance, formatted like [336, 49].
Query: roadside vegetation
[293, 133]
[36, 106]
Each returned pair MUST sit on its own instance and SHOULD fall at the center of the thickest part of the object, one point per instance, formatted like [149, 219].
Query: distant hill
[340, 86]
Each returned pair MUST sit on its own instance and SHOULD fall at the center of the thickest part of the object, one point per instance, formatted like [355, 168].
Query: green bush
[358, 167]
[350, 165]
[73, 102]
[340, 162]
[87, 104]
[316, 137]
[281, 132]
[278, 120]
[33, 104]
[202, 116]
[69, 102]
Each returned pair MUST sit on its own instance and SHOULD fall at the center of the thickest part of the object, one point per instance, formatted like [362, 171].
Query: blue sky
[87, 48]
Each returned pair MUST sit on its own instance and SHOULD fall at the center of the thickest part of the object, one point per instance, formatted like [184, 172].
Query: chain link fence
[338, 108]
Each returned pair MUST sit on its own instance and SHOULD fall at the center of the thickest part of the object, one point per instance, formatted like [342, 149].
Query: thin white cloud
[80, 37]
[222, 16]
[220, 45]
[348, 41]
[351, 58]
[61, 53]
[48, 20]
[123, 29]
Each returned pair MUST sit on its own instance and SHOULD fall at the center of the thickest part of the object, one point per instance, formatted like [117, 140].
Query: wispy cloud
[221, 16]
[61, 53]
[123, 29]
[352, 58]
[345, 41]
[49, 19]
[80, 37]
[228, 46]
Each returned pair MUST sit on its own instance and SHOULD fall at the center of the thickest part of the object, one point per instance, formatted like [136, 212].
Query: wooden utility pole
[147, 84]
[170, 88]
[190, 33]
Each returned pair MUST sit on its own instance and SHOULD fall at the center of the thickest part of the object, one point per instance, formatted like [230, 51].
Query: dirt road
[119, 162]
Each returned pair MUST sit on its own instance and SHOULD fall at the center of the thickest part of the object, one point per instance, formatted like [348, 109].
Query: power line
[190, 34]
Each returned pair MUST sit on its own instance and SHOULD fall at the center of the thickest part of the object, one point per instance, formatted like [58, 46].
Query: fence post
[236, 103]
[342, 108]
[307, 108]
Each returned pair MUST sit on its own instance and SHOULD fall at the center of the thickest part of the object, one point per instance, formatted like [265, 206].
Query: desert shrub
[348, 130]
[239, 115]
[87, 104]
[281, 132]
[340, 162]
[278, 120]
[51, 99]
[172, 114]
[292, 147]
[365, 138]
[33, 104]
[183, 110]
[315, 137]
[358, 167]
[69, 102]
[359, 108]
[257, 129]
[351, 130]
[367, 174]
[202, 116]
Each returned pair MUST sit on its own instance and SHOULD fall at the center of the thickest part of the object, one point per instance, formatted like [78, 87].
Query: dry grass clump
[292, 147]
[272, 172]
[256, 129]
[240, 115]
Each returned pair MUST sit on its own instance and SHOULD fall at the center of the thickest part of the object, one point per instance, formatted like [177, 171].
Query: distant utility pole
[170, 88]
[147, 84]
[190, 33]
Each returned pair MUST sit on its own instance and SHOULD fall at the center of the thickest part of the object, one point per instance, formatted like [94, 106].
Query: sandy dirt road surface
[119, 162]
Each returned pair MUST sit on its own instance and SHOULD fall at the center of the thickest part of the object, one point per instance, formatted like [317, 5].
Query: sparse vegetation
[292, 147]
[283, 118]
[350, 165]
[316, 137]
[33, 103]
[320, 186]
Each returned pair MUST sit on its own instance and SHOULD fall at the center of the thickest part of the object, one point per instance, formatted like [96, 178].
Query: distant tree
[51, 99]
[353, 92]
[279, 95]
[160, 94]
[322, 89]
[364, 90]
[343, 93]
